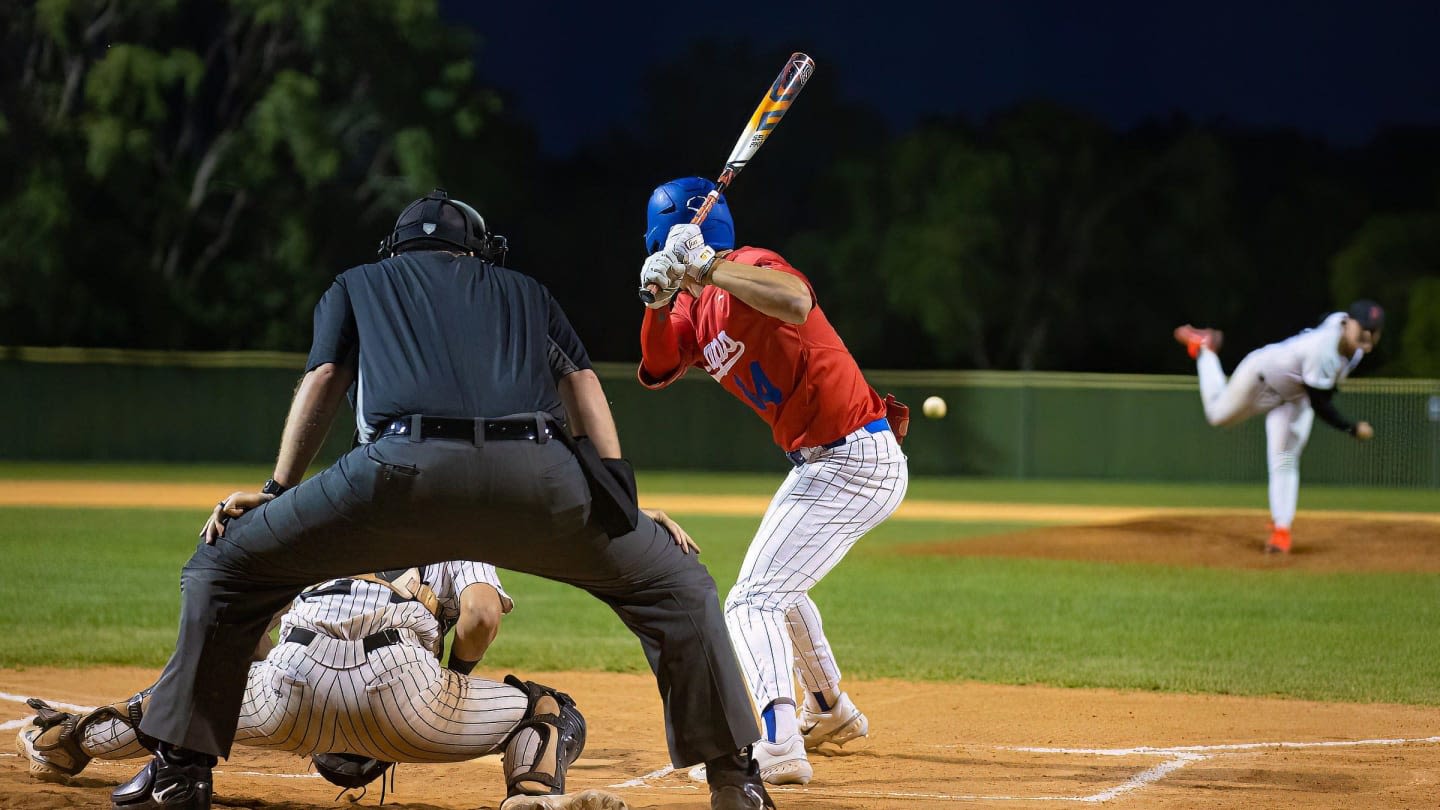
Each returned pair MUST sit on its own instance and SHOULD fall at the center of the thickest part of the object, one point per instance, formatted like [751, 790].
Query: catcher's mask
[436, 221]
[349, 770]
[676, 202]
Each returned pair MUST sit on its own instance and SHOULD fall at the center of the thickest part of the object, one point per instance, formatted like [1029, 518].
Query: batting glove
[664, 272]
[687, 245]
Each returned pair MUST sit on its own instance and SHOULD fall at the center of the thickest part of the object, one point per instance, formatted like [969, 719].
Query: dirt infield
[933, 745]
[201, 497]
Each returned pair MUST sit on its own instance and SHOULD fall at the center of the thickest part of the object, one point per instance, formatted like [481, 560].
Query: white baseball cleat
[784, 762]
[838, 726]
[584, 800]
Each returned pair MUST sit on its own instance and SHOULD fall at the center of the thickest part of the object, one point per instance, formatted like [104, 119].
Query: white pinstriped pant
[395, 704]
[822, 509]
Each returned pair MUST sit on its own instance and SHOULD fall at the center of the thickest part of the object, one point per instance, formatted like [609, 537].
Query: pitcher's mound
[1219, 541]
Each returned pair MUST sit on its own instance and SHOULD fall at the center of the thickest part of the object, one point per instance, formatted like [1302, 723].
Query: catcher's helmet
[676, 202]
[436, 221]
[349, 770]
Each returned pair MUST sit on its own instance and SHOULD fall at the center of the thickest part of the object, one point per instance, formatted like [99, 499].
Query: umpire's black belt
[372, 642]
[538, 429]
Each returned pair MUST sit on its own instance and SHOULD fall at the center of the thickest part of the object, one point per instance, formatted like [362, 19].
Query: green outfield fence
[113, 405]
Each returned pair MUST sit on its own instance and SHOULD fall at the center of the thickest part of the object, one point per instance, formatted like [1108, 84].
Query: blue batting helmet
[676, 202]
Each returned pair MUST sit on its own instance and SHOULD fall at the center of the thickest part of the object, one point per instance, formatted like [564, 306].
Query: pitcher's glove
[663, 271]
[349, 770]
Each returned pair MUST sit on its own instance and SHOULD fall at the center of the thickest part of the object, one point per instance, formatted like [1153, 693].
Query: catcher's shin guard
[544, 744]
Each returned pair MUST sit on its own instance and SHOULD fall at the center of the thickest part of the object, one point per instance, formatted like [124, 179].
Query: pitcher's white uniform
[394, 703]
[1272, 380]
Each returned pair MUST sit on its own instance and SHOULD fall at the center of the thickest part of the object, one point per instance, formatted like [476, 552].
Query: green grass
[99, 586]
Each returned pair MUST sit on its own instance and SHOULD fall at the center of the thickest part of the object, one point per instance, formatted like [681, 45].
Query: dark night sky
[1334, 68]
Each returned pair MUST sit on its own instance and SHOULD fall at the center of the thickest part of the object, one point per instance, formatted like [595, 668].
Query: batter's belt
[807, 454]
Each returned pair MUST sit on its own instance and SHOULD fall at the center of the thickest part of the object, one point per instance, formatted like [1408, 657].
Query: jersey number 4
[760, 391]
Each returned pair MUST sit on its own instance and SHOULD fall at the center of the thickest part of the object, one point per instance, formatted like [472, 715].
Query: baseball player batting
[1290, 382]
[356, 680]
[753, 323]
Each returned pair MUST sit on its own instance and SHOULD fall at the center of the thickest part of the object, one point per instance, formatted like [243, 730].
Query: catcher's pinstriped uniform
[848, 474]
[329, 695]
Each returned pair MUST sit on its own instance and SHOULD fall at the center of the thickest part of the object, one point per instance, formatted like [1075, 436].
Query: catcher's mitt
[349, 770]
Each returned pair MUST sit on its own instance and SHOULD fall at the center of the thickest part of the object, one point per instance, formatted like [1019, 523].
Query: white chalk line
[1144, 778]
[270, 775]
[69, 707]
[640, 781]
[1177, 749]
[1180, 756]
[12, 724]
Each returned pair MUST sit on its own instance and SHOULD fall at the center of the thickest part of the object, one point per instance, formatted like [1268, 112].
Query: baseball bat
[767, 115]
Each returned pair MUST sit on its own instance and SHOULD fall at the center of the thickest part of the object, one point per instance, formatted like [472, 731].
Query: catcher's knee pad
[543, 744]
[129, 712]
[134, 710]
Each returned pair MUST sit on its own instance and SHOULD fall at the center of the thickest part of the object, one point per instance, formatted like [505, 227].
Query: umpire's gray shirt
[438, 334]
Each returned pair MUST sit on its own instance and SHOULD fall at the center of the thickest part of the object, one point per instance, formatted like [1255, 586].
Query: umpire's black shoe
[175, 779]
[735, 783]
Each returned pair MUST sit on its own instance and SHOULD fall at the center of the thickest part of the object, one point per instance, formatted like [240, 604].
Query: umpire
[466, 375]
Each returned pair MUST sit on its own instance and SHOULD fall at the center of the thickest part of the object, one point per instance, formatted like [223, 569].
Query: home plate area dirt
[932, 745]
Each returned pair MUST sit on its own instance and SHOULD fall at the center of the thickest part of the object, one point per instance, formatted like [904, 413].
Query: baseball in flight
[934, 407]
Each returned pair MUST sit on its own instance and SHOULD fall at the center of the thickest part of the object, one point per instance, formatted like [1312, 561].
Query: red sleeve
[662, 359]
[769, 259]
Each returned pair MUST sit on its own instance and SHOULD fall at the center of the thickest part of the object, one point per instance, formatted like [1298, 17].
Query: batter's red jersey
[799, 378]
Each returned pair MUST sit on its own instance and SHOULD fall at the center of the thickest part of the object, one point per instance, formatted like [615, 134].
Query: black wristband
[461, 666]
[273, 487]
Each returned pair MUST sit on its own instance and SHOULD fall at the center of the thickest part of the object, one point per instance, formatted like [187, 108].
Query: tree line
[191, 175]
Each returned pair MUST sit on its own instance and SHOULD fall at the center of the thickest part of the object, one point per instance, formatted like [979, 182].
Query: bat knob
[646, 297]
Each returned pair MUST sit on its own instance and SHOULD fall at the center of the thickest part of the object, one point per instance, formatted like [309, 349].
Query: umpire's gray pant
[397, 503]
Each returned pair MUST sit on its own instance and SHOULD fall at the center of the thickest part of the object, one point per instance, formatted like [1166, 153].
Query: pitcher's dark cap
[1368, 314]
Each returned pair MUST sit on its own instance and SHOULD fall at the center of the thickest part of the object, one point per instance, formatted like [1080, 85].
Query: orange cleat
[1279, 542]
[1196, 339]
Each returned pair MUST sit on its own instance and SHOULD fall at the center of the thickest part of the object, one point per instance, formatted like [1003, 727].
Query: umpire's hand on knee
[237, 504]
[681, 537]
